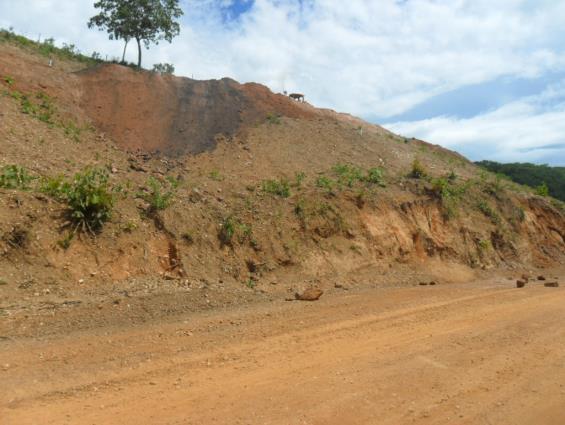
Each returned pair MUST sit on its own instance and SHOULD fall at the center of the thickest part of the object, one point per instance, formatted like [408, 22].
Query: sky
[483, 77]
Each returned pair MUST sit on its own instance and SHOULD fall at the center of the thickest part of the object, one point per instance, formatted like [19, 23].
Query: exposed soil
[154, 113]
[476, 353]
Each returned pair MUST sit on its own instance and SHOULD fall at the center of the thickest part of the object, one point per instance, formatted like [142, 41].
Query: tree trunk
[138, 52]
[125, 47]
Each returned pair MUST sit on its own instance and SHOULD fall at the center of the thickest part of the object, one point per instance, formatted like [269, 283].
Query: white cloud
[530, 129]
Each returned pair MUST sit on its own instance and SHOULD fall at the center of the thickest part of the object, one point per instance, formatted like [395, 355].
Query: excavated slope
[226, 156]
[172, 115]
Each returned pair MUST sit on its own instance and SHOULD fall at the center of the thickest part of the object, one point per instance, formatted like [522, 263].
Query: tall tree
[145, 21]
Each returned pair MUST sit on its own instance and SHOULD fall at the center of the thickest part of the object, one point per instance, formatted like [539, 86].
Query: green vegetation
[273, 118]
[90, 199]
[72, 130]
[489, 212]
[187, 238]
[47, 48]
[159, 195]
[532, 175]
[279, 187]
[542, 189]
[53, 186]
[375, 176]
[347, 174]
[418, 171]
[147, 21]
[39, 106]
[215, 175]
[484, 245]
[129, 226]
[232, 228]
[42, 107]
[65, 243]
[327, 184]
[15, 177]
[164, 68]
[448, 193]
[298, 179]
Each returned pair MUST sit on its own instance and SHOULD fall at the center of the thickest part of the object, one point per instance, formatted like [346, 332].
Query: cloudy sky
[483, 77]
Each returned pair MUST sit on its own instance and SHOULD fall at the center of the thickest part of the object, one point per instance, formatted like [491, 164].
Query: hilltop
[226, 192]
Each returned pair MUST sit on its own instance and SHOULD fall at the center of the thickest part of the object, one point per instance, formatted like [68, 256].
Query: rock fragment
[310, 294]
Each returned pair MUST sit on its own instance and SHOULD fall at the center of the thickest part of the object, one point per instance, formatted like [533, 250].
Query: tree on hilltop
[147, 21]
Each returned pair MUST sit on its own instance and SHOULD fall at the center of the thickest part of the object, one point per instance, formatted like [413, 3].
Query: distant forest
[532, 175]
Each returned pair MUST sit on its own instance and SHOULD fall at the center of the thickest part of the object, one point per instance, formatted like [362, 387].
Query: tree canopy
[532, 175]
[145, 21]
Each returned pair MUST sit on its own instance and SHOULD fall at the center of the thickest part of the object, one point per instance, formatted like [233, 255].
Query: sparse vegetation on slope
[305, 195]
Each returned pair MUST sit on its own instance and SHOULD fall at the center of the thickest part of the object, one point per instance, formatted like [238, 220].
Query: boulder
[310, 294]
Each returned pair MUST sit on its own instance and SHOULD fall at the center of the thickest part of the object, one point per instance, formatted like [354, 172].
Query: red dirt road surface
[477, 353]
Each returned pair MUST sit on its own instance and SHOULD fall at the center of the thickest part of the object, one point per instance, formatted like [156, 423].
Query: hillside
[532, 175]
[225, 192]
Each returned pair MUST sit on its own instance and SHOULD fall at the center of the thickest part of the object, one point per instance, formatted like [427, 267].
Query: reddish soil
[476, 353]
[154, 113]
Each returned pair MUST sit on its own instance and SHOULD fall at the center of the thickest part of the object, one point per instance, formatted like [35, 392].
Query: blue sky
[484, 77]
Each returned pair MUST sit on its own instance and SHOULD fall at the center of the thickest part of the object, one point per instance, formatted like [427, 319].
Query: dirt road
[478, 353]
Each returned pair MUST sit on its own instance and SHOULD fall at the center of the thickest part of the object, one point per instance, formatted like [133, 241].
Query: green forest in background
[532, 175]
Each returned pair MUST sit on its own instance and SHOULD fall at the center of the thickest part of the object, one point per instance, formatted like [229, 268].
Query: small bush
[215, 175]
[129, 226]
[54, 186]
[326, 183]
[72, 130]
[187, 238]
[231, 228]
[375, 176]
[15, 177]
[494, 185]
[298, 179]
[273, 118]
[164, 68]
[418, 171]
[277, 187]
[484, 245]
[300, 208]
[448, 194]
[348, 174]
[542, 190]
[90, 199]
[227, 231]
[65, 243]
[489, 212]
[158, 196]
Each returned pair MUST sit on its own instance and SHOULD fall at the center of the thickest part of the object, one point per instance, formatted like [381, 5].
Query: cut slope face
[310, 196]
[150, 112]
